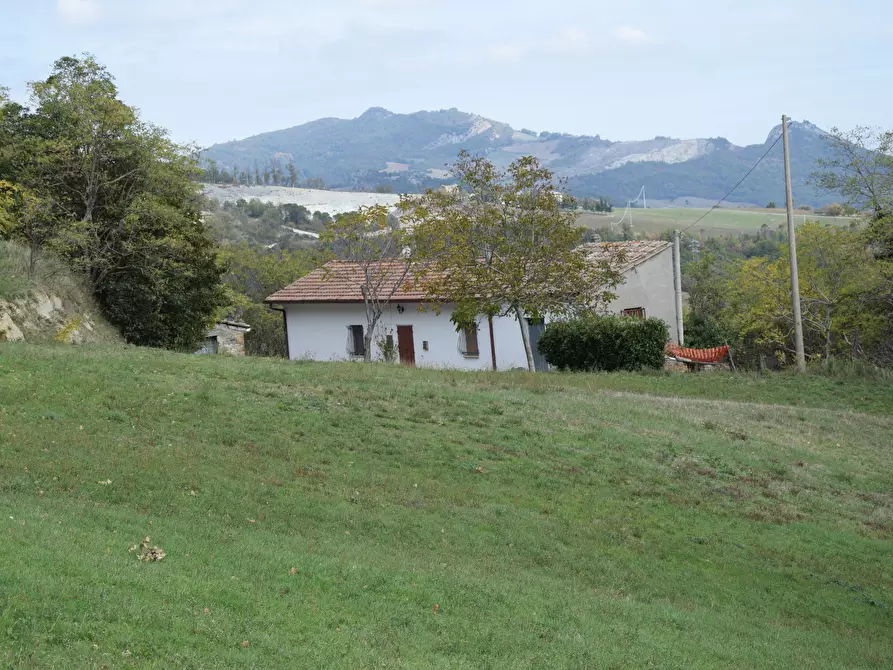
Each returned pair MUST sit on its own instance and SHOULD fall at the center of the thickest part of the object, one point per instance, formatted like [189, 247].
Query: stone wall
[229, 339]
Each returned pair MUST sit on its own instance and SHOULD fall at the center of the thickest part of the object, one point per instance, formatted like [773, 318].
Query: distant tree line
[273, 174]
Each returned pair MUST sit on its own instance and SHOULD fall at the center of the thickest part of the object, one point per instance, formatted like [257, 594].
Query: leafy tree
[626, 231]
[834, 209]
[368, 239]
[771, 205]
[861, 169]
[707, 323]
[502, 244]
[212, 173]
[251, 275]
[315, 182]
[116, 199]
[835, 269]
[255, 208]
[292, 175]
[8, 192]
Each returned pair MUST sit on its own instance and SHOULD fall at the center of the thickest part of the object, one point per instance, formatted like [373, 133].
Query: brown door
[406, 345]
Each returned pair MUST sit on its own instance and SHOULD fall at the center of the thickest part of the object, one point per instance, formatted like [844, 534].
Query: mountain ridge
[409, 152]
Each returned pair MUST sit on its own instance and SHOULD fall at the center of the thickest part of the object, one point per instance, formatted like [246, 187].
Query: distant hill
[408, 152]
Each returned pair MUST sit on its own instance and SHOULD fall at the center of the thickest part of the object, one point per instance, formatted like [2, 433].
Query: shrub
[606, 343]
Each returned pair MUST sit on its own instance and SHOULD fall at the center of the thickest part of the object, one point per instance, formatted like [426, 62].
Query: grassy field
[719, 222]
[342, 515]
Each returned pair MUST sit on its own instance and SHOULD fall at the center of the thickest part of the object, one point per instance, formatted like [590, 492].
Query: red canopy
[706, 356]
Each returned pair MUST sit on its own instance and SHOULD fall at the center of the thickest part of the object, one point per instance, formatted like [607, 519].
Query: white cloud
[632, 35]
[506, 53]
[572, 41]
[78, 11]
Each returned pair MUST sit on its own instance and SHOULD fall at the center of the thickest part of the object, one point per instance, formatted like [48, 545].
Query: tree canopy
[502, 244]
[116, 198]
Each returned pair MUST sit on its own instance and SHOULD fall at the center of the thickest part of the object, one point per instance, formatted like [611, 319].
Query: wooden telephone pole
[677, 287]
[792, 247]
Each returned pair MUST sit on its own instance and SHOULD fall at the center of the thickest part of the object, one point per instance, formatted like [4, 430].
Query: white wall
[319, 332]
[650, 285]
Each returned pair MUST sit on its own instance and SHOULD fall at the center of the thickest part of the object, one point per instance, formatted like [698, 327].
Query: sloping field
[718, 222]
[343, 515]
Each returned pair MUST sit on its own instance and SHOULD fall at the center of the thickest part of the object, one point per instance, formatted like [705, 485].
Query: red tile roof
[637, 251]
[340, 281]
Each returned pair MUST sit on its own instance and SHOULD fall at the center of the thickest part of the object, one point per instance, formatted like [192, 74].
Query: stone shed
[226, 337]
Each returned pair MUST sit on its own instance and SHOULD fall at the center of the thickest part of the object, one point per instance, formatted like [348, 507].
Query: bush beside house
[607, 343]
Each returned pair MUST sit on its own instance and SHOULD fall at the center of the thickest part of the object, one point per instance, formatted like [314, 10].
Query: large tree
[378, 248]
[861, 168]
[502, 244]
[120, 201]
[837, 272]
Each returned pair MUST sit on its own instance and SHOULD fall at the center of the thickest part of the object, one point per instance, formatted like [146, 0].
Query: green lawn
[720, 222]
[322, 512]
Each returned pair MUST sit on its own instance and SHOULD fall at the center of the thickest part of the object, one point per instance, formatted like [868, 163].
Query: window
[356, 345]
[638, 312]
[470, 345]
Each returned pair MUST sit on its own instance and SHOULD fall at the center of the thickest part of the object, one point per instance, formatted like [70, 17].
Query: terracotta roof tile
[340, 281]
[637, 251]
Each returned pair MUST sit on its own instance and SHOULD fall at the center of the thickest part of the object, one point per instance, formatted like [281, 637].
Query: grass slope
[319, 512]
[719, 222]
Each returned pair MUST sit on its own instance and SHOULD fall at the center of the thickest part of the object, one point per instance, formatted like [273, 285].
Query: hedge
[606, 343]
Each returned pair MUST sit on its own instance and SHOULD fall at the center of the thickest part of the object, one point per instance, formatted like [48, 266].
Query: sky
[215, 70]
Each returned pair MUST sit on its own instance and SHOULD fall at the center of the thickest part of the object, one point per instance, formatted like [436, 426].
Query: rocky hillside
[46, 304]
[408, 152]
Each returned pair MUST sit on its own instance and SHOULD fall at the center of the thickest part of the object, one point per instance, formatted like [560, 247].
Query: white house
[325, 317]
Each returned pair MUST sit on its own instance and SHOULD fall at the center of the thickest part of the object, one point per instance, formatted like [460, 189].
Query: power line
[741, 181]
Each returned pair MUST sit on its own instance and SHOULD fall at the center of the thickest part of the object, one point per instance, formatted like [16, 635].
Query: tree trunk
[32, 258]
[371, 321]
[525, 338]
[827, 333]
[492, 341]
[367, 346]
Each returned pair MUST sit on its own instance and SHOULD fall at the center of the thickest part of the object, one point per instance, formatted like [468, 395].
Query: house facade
[325, 318]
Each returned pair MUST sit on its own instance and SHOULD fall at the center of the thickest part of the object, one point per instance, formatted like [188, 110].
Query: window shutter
[638, 312]
[359, 346]
[471, 341]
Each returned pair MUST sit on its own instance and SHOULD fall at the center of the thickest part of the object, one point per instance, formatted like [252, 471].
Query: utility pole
[677, 285]
[792, 247]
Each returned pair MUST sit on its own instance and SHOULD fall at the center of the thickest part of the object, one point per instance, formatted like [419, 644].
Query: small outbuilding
[226, 337]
